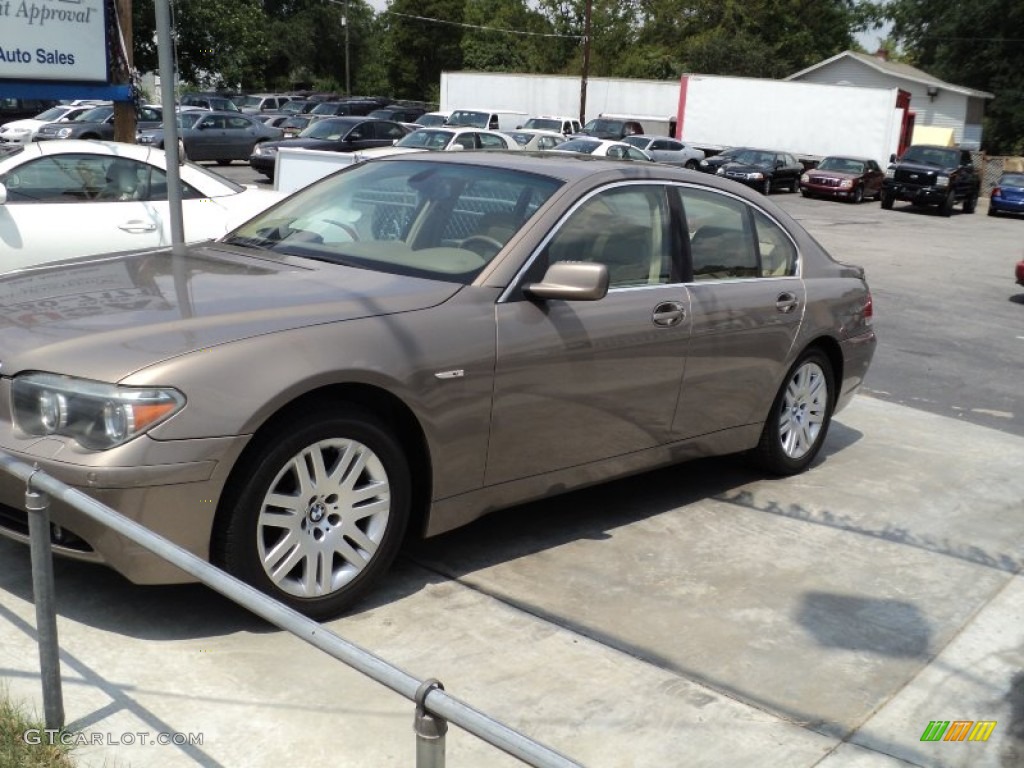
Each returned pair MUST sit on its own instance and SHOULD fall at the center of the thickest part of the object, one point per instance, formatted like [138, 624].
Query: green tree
[504, 36]
[420, 46]
[218, 43]
[977, 45]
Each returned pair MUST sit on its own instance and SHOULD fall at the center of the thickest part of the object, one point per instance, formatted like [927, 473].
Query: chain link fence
[992, 167]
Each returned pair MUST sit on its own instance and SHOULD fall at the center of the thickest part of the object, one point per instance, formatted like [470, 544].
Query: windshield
[328, 130]
[52, 114]
[430, 120]
[251, 101]
[580, 145]
[604, 126]
[94, 115]
[470, 118]
[189, 119]
[937, 156]
[426, 139]
[754, 157]
[636, 141]
[841, 165]
[325, 108]
[1012, 180]
[544, 123]
[408, 217]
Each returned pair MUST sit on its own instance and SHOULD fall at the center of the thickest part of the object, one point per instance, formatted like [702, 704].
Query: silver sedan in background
[220, 136]
[665, 149]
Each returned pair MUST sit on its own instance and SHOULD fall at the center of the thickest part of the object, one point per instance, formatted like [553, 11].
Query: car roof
[652, 137]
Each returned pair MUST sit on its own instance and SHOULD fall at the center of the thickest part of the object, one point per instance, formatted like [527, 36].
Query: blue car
[1007, 195]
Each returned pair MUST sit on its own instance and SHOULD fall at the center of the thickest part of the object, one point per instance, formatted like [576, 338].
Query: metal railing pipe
[435, 701]
[37, 506]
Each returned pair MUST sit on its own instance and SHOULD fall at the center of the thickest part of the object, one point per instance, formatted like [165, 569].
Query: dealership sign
[61, 40]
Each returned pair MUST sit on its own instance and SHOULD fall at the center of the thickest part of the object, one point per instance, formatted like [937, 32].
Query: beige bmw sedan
[385, 350]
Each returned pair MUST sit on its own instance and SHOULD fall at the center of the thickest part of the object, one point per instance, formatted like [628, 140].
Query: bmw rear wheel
[800, 416]
[320, 512]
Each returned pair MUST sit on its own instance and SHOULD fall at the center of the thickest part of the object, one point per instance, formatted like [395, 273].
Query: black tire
[351, 528]
[887, 201]
[223, 162]
[946, 206]
[858, 195]
[795, 186]
[971, 203]
[992, 211]
[800, 415]
[691, 164]
[766, 187]
[806, 192]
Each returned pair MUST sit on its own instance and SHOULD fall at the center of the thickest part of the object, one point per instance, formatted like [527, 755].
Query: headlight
[805, 178]
[845, 183]
[96, 415]
[942, 181]
[720, 171]
[890, 173]
[755, 176]
[144, 139]
[704, 163]
[63, 133]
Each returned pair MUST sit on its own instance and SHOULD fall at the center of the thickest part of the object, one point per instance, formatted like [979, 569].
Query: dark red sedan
[846, 178]
[1020, 272]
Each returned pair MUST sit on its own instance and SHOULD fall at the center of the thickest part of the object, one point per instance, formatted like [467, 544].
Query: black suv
[929, 175]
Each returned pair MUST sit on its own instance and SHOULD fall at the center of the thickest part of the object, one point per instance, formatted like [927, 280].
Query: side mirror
[571, 281]
[3, 194]
[457, 148]
[892, 158]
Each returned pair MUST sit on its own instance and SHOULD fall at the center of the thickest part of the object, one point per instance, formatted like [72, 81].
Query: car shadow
[97, 596]
[1017, 298]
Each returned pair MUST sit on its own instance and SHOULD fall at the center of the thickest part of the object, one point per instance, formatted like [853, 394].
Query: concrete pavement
[701, 615]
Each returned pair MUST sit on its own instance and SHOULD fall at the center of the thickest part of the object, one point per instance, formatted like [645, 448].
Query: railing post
[37, 505]
[430, 729]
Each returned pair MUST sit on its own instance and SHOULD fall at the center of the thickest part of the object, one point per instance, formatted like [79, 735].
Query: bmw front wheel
[320, 512]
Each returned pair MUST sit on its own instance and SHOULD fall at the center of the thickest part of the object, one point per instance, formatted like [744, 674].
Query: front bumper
[826, 190]
[263, 163]
[172, 489]
[915, 193]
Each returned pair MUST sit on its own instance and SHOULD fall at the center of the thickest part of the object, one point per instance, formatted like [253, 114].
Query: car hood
[300, 141]
[746, 167]
[834, 174]
[924, 168]
[23, 124]
[103, 318]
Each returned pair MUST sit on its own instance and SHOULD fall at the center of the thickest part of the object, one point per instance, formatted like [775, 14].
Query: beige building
[935, 103]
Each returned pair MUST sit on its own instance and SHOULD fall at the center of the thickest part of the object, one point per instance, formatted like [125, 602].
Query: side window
[238, 123]
[721, 243]
[385, 130]
[487, 141]
[466, 140]
[85, 178]
[493, 123]
[660, 144]
[632, 153]
[777, 252]
[616, 152]
[624, 228]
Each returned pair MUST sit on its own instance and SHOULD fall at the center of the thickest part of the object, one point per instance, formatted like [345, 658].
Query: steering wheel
[346, 228]
[483, 243]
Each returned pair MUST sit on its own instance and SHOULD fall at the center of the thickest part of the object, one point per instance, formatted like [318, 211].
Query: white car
[532, 140]
[24, 131]
[443, 140]
[620, 150]
[60, 199]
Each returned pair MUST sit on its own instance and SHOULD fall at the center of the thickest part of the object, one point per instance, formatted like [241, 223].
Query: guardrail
[434, 707]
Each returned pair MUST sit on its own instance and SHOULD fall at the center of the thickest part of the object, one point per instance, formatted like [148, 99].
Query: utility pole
[586, 62]
[124, 112]
[348, 80]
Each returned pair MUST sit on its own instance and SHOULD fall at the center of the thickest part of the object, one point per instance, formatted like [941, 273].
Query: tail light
[996, 192]
[869, 310]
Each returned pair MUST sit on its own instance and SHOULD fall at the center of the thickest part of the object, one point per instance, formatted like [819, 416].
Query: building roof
[894, 69]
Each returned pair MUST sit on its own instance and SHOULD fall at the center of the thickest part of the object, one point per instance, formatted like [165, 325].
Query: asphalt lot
[703, 615]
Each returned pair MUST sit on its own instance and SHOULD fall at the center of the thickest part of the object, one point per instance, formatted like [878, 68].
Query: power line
[478, 26]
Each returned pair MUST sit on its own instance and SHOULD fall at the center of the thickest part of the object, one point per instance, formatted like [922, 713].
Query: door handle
[668, 313]
[786, 302]
[137, 226]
